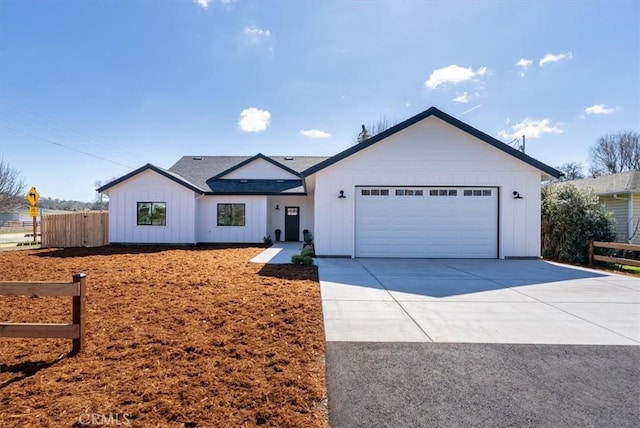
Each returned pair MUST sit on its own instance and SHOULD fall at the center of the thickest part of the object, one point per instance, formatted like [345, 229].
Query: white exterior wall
[260, 169]
[149, 186]
[431, 153]
[276, 217]
[635, 214]
[620, 209]
[253, 231]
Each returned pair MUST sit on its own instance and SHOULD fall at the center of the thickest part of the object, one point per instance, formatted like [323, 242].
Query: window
[408, 192]
[374, 192]
[230, 214]
[399, 192]
[152, 213]
[453, 192]
[418, 193]
[486, 193]
[433, 192]
[468, 192]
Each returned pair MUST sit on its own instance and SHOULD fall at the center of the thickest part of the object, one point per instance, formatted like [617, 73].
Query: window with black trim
[152, 214]
[231, 215]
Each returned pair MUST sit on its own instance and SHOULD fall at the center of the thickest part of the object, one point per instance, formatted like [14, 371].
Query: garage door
[432, 222]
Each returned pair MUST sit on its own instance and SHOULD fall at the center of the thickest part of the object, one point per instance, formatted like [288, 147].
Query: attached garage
[426, 222]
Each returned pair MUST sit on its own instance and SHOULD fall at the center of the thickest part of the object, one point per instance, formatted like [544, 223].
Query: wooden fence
[78, 229]
[612, 245]
[75, 331]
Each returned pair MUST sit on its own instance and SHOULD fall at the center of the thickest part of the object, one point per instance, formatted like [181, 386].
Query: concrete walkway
[477, 301]
[278, 253]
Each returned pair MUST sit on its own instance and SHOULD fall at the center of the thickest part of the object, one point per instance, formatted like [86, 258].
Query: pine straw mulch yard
[175, 337]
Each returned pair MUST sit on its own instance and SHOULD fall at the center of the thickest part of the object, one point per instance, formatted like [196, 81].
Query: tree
[375, 128]
[12, 188]
[571, 171]
[570, 218]
[616, 152]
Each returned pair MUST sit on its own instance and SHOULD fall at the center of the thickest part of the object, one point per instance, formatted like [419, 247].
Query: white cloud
[315, 133]
[255, 34]
[203, 3]
[462, 98]
[549, 58]
[531, 129]
[254, 120]
[452, 74]
[524, 64]
[600, 109]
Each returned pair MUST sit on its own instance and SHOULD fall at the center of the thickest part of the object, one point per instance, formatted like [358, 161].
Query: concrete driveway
[477, 301]
[482, 343]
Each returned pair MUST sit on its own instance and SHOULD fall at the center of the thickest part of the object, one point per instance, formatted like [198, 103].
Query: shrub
[570, 218]
[307, 251]
[267, 240]
[298, 259]
[308, 237]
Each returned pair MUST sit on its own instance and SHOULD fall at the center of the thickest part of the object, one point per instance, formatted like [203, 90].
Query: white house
[620, 194]
[431, 186]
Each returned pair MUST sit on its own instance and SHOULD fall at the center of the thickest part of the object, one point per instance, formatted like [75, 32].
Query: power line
[65, 146]
[64, 132]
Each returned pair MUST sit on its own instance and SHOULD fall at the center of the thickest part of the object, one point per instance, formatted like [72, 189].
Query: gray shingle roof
[623, 182]
[199, 169]
[256, 187]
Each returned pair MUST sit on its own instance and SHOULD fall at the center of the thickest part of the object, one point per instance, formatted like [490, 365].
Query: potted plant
[278, 232]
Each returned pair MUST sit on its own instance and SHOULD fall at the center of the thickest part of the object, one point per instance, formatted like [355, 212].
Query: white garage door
[432, 222]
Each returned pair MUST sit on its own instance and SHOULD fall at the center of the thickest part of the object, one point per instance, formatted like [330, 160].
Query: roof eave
[432, 111]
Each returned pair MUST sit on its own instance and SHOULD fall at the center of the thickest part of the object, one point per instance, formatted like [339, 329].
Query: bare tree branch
[12, 188]
[571, 171]
[615, 153]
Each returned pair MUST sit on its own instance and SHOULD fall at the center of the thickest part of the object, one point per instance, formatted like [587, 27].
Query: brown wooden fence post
[591, 253]
[79, 303]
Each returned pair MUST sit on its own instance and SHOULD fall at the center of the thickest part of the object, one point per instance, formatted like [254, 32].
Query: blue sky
[90, 90]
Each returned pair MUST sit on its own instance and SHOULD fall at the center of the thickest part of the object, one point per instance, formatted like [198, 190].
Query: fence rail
[79, 229]
[615, 246]
[75, 331]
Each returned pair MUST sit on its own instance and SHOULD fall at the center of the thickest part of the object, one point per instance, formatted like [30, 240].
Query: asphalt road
[482, 385]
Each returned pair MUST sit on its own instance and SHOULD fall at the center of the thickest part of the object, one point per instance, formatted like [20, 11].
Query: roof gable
[258, 167]
[552, 172]
[199, 169]
[168, 174]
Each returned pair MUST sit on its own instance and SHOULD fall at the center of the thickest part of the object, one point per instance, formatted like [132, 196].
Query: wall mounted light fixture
[277, 207]
[516, 195]
[342, 194]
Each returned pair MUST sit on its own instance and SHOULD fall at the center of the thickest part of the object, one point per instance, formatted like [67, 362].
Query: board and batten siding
[276, 217]
[253, 231]
[429, 153]
[149, 186]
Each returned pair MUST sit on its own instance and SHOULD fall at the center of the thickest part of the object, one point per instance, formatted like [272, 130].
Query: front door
[291, 223]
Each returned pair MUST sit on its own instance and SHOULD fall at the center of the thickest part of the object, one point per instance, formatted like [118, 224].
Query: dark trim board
[451, 121]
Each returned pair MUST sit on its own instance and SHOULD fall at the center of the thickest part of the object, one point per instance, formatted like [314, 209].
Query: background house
[619, 193]
[430, 186]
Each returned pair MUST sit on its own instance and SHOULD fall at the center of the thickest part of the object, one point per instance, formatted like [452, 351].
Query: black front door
[291, 223]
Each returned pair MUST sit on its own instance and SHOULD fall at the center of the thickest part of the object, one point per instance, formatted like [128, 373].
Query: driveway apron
[402, 334]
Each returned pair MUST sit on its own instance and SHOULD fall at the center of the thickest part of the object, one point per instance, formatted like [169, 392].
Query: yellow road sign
[33, 211]
[32, 197]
